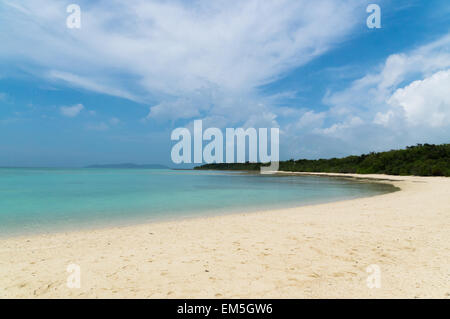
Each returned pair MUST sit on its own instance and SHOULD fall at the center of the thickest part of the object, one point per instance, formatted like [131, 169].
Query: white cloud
[425, 102]
[337, 128]
[71, 111]
[384, 119]
[404, 101]
[182, 108]
[407, 99]
[311, 120]
[150, 51]
[85, 83]
[372, 91]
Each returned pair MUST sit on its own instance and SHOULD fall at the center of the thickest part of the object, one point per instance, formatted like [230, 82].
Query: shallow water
[48, 200]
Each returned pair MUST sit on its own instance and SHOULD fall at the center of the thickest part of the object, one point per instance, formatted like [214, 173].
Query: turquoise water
[47, 200]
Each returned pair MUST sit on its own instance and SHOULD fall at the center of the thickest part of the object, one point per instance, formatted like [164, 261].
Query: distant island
[419, 160]
[129, 165]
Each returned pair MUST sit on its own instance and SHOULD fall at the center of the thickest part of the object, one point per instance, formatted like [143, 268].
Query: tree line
[419, 160]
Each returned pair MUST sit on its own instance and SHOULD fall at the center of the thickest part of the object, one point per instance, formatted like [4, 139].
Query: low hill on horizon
[129, 165]
[419, 160]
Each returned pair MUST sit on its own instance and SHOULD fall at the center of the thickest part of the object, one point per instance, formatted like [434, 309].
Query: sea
[38, 200]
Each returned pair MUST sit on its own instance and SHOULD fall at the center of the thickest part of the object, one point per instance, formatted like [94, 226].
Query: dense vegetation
[421, 160]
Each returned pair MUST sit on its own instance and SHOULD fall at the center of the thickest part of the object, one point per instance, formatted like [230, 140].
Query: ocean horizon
[47, 200]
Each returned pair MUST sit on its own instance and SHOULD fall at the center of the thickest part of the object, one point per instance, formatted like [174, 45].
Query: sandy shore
[319, 251]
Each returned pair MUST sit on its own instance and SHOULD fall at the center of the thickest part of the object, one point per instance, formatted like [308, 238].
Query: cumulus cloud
[425, 102]
[337, 128]
[311, 120]
[384, 119]
[406, 101]
[373, 90]
[71, 111]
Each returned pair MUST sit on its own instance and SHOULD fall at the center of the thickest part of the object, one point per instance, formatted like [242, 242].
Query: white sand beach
[318, 251]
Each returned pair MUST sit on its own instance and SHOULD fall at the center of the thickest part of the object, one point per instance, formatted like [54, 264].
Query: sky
[113, 90]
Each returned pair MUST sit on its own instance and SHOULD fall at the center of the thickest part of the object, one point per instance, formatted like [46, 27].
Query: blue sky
[114, 90]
